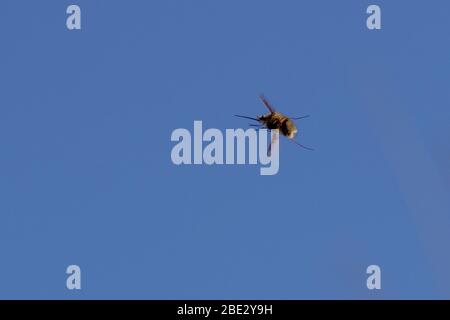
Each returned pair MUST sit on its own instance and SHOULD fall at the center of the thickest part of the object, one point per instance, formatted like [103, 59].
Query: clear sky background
[86, 176]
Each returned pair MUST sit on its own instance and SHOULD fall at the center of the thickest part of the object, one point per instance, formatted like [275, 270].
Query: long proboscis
[245, 117]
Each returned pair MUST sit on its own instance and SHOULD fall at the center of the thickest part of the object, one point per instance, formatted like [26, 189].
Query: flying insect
[276, 120]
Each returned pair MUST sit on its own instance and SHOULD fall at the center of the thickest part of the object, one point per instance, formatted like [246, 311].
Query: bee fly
[276, 120]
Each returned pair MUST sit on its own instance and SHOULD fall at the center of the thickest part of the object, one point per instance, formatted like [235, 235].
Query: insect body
[276, 120]
[279, 121]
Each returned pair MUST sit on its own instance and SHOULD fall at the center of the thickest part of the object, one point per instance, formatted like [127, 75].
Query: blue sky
[86, 176]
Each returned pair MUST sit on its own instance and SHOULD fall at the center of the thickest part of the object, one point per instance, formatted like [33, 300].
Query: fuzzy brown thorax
[276, 120]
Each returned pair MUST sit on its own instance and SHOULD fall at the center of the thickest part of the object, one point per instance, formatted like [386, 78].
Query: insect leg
[298, 118]
[299, 144]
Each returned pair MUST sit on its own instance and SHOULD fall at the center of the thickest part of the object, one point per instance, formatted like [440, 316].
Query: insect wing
[267, 104]
[274, 140]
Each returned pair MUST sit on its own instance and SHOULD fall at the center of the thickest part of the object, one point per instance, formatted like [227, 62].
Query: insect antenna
[299, 144]
[245, 117]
